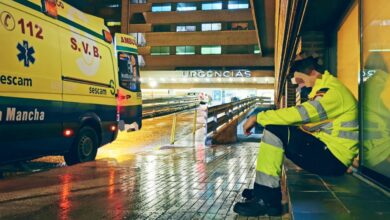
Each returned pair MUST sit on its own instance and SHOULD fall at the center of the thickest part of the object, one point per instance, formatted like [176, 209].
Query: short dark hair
[307, 65]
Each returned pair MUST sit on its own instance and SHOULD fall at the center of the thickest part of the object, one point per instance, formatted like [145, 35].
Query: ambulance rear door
[88, 73]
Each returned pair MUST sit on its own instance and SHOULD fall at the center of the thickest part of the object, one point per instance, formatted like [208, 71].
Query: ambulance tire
[84, 147]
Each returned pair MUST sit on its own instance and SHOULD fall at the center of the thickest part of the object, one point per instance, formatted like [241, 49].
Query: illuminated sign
[217, 74]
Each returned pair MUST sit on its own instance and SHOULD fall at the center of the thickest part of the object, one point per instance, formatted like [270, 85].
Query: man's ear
[313, 73]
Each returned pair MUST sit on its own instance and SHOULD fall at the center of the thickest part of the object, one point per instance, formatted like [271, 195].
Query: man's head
[306, 71]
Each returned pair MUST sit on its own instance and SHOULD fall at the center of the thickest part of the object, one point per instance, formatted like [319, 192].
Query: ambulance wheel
[84, 147]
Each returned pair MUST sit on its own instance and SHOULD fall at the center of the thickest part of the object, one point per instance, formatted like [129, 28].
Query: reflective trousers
[303, 149]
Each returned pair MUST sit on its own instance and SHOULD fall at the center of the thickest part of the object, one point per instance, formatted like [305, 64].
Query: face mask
[301, 79]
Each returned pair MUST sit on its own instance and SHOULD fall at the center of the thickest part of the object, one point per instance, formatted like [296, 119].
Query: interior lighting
[153, 84]
[113, 23]
[113, 5]
[113, 128]
[379, 50]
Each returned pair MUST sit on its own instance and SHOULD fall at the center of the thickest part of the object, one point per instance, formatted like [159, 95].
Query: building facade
[202, 41]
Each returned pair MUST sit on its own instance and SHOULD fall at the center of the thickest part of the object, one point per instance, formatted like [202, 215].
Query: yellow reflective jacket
[376, 119]
[330, 115]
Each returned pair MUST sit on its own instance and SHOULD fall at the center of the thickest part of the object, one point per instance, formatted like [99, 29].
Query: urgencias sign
[217, 74]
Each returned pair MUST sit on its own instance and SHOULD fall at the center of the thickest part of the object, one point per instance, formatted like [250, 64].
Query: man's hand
[249, 124]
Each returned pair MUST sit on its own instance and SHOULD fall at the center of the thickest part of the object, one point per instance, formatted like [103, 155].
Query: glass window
[161, 7]
[163, 50]
[186, 7]
[128, 71]
[240, 26]
[238, 49]
[211, 27]
[376, 88]
[185, 50]
[162, 28]
[256, 49]
[139, 38]
[211, 50]
[138, 1]
[185, 28]
[238, 4]
[212, 6]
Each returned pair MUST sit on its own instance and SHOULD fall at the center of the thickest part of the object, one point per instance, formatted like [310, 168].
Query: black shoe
[259, 208]
[248, 194]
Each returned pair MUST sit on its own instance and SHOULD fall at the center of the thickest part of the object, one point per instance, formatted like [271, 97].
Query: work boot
[248, 194]
[266, 201]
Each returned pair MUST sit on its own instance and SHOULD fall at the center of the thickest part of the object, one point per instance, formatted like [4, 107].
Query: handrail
[163, 106]
[221, 114]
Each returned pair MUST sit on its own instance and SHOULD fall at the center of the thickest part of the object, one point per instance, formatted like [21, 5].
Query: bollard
[195, 118]
[173, 131]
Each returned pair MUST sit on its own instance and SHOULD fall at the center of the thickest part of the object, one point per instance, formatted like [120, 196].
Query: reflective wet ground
[140, 176]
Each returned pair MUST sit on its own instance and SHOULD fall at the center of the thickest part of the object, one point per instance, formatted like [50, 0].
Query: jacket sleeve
[327, 107]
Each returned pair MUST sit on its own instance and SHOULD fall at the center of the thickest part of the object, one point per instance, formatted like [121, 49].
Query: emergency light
[50, 8]
[107, 36]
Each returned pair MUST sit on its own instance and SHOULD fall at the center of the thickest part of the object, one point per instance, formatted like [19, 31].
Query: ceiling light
[153, 84]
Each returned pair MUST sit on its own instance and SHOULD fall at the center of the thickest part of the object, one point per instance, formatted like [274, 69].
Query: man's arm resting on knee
[329, 106]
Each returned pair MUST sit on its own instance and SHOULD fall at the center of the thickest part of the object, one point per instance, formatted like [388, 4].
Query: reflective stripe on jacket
[330, 115]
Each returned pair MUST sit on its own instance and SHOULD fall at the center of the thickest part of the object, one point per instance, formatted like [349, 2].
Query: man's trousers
[302, 148]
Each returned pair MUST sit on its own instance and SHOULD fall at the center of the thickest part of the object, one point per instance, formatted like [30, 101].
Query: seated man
[320, 136]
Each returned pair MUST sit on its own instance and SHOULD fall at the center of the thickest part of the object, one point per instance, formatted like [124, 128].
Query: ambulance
[64, 84]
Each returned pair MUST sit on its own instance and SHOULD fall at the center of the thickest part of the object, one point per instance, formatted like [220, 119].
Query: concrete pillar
[125, 17]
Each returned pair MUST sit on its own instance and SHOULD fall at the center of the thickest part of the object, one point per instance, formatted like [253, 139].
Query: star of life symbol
[26, 53]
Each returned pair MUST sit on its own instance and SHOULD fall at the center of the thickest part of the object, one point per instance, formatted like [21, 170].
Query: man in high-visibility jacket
[376, 115]
[320, 135]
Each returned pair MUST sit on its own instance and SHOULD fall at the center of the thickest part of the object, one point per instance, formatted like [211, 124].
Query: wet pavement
[154, 134]
[139, 176]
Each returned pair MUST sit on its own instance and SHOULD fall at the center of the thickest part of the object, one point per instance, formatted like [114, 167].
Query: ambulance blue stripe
[29, 4]
[127, 49]
[80, 27]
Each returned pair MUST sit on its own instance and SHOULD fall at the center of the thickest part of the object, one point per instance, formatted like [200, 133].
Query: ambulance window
[128, 71]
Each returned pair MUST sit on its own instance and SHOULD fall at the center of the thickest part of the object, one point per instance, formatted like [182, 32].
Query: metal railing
[221, 114]
[163, 106]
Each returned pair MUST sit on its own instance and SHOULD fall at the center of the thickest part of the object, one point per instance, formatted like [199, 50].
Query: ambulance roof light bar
[107, 36]
[49, 7]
